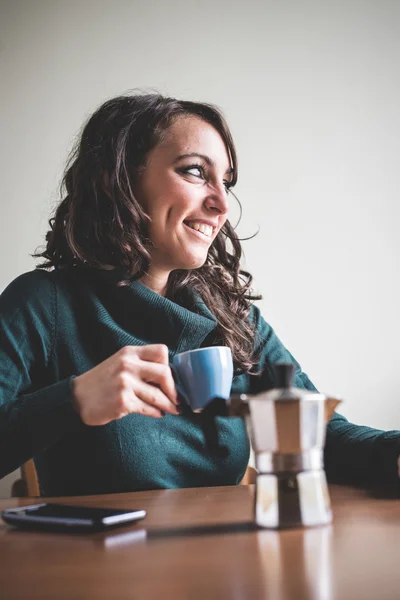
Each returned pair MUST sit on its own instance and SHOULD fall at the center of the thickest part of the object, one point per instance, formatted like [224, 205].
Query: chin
[192, 262]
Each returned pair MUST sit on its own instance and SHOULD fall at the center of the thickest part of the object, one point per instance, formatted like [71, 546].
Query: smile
[201, 229]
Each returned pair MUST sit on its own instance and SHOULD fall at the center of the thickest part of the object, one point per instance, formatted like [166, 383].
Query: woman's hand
[137, 379]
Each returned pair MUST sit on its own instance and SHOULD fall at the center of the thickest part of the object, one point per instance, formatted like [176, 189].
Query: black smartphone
[64, 517]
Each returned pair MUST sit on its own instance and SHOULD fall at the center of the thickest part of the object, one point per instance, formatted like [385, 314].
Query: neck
[156, 280]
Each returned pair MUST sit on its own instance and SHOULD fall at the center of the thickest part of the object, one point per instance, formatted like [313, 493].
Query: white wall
[311, 90]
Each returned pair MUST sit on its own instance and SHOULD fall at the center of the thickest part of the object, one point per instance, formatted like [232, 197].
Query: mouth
[202, 231]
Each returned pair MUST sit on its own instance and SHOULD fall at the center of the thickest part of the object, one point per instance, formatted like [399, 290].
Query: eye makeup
[185, 170]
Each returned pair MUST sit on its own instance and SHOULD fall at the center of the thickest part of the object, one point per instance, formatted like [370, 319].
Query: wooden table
[201, 544]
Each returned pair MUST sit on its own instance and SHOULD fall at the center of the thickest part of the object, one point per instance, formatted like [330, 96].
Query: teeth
[202, 227]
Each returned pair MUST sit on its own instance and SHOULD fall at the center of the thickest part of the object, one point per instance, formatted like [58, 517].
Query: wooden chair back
[249, 477]
[28, 485]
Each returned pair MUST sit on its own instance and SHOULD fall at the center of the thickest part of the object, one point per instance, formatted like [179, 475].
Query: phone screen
[64, 511]
[59, 514]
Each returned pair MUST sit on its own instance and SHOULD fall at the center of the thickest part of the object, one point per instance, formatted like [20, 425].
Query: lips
[202, 226]
[198, 234]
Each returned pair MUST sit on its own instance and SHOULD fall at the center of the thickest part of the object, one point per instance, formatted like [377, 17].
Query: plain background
[311, 91]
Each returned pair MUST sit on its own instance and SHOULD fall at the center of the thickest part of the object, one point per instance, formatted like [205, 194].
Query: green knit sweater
[56, 325]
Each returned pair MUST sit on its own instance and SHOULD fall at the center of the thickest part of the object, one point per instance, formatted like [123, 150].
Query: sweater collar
[185, 328]
[181, 328]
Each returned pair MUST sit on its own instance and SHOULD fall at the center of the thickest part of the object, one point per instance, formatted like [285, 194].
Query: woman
[138, 269]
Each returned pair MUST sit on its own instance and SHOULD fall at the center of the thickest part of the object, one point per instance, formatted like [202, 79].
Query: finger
[154, 353]
[152, 395]
[160, 375]
[142, 408]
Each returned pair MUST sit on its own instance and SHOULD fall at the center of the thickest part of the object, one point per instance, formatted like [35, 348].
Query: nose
[217, 199]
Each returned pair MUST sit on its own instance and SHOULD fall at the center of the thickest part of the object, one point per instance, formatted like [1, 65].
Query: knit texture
[59, 324]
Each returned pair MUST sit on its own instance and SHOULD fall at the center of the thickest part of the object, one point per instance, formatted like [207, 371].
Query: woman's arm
[33, 414]
[354, 454]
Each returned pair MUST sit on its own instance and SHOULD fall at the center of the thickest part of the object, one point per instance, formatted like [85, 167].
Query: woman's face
[184, 191]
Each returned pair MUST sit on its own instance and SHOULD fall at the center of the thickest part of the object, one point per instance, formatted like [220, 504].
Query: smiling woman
[183, 189]
[141, 263]
[147, 179]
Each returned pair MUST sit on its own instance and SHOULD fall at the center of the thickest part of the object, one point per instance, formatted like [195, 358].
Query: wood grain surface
[201, 544]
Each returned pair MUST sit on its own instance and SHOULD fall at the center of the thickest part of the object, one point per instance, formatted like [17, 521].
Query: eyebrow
[206, 159]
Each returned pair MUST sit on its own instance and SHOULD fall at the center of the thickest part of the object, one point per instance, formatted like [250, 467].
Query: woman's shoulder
[256, 318]
[32, 282]
[30, 293]
[35, 283]
[32, 289]
[40, 281]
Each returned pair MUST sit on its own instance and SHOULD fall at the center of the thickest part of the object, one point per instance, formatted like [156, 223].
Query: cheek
[178, 201]
[168, 202]
[179, 191]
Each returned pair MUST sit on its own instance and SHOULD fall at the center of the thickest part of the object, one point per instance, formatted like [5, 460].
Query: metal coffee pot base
[287, 428]
[290, 499]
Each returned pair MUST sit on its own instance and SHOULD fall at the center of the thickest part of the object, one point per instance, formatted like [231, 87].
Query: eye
[227, 186]
[195, 170]
[199, 172]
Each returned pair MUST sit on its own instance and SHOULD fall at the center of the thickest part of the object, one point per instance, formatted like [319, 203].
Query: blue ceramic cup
[203, 374]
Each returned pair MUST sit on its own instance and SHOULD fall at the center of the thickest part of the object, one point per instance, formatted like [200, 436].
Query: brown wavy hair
[100, 224]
